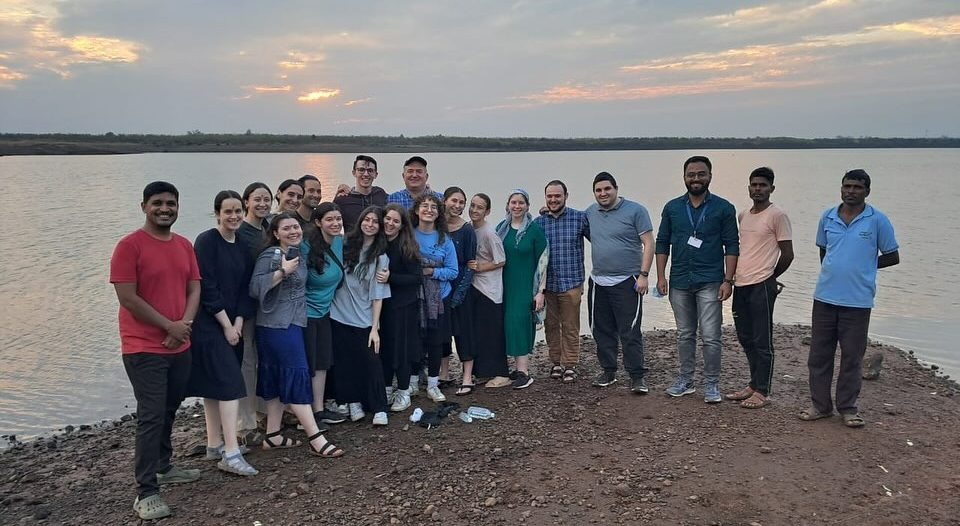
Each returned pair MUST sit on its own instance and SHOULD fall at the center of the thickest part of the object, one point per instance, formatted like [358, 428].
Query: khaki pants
[562, 326]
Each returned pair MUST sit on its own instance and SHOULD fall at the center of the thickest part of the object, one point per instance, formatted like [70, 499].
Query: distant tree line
[195, 140]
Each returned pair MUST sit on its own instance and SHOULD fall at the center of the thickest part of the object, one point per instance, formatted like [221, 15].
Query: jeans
[562, 326]
[693, 307]
[848, 326]
[753, 317]
[615, 315]
[159, 383]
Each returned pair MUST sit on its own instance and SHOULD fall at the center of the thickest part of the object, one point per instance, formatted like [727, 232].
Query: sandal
[809, 415]
[556, 372]
[569, 375]
[285, 442]
[756, 401]
[465, 389]
[853, 420]
[742, 394]
[151, 508]
[327, 450]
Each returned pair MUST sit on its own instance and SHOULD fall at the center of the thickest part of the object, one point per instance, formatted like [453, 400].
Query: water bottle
[275, 262]
[480, 412]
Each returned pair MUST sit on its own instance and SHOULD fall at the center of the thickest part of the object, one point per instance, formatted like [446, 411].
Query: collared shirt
[848, 273]
[615, 247]
[405, 199]
[716, 221]
[565, 234]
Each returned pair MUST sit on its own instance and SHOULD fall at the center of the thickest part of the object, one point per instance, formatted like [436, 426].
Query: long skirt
[400, 343]
[463, 329]
[358, 371]
[491, 354]
[283, 372]
[215, 372]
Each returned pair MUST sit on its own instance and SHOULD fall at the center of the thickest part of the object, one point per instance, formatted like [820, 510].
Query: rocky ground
[555, 454]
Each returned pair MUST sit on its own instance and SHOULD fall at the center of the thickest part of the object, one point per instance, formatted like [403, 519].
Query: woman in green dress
[524, 277]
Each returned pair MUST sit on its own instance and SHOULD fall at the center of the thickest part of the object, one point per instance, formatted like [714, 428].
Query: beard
[702, 190]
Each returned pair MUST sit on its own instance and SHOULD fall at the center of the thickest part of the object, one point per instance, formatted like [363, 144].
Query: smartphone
[293, 252]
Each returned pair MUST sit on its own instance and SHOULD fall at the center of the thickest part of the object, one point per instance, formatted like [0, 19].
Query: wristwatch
[644, 274]
[729, 280]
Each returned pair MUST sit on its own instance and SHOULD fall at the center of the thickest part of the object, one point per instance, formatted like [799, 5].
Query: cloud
[318, 95]
[620, 92]
[776, 13]
[356, 121]
[40, 45]
[270, 89]
[357, 101]
[299, 60]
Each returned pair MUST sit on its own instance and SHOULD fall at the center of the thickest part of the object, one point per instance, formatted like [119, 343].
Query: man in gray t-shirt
[621, 249]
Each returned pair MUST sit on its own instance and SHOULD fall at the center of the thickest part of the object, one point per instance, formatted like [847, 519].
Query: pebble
[490, 502]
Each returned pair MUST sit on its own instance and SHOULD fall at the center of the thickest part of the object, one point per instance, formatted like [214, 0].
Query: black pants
[848, 326]
[433, 339]
[159, 384]
[358, 369]
[753, 317]
[615, 314]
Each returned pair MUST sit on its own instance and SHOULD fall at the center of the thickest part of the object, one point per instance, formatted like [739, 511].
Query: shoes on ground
[681, 387]
[605, 378]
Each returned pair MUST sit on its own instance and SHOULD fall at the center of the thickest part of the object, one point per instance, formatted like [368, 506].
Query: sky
[487, 68]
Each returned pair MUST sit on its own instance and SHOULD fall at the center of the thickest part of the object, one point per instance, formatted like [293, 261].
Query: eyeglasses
[365, 170]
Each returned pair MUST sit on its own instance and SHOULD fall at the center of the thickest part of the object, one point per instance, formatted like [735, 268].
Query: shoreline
[11, 441]
[554, 454]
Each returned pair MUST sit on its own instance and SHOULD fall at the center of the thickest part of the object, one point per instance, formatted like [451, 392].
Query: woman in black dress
[225, 269]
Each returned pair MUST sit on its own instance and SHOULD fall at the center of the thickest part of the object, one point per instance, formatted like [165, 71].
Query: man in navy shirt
[698, 231]
[850, 238]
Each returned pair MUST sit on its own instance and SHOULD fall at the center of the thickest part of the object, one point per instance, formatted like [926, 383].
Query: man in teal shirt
[850, 238]
[698, 232]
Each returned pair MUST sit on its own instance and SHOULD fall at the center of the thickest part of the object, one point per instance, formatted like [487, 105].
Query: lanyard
[696, 226]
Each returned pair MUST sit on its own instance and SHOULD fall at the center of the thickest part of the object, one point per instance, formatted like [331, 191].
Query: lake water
[60, 347]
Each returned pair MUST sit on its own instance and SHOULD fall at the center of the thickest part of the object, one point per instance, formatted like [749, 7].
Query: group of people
[247, 316]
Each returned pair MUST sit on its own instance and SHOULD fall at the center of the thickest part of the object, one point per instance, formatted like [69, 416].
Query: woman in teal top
[322, 249]
[524, 277]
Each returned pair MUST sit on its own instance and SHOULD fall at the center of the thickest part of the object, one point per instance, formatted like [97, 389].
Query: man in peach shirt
[766, 251]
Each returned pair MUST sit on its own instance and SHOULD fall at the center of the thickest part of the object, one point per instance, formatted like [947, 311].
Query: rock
[805, 340]
[694, 497]
[667, 483]
[765, 449]
[41, 513]
[490, 502]
[219, 512]
[428, 511]
[623, 490]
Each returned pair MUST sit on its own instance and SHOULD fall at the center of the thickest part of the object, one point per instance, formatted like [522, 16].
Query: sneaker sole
[602, 384]
[228, 469]
[640, 391]
[332, 421]
[713, 400]
[524, 386]
[684, 393]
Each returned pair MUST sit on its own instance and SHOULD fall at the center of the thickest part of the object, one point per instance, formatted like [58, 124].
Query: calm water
[60, 348]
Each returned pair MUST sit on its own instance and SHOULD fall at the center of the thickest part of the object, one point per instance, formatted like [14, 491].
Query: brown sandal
[756, 401]
[742, 394]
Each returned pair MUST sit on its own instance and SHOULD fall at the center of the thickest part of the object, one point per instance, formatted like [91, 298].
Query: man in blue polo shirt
[850, 238]
[621, 249]
[565, 229]
[698, 231]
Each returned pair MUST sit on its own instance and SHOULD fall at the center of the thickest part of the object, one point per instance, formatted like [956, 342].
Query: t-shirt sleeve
[194, 266]
[642, 220]
[123, 263]
[821, 233]
[886, 240]
[380, 291]
[496, 245]
[783, 229]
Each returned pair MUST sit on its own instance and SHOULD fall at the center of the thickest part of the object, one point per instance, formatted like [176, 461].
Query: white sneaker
[390, 395]
[342, 409]
[414, 389]
[401, 401]
[330, 405]
[356, 412]
[435, 394]
[380, 419]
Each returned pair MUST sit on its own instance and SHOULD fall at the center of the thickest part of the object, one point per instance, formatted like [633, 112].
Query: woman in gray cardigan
[283, 378]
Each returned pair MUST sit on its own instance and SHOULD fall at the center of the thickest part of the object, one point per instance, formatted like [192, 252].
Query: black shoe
[523, 381]
[329, 417]
[513, 374]
[321, 427]
[637, 385]
[605, 378]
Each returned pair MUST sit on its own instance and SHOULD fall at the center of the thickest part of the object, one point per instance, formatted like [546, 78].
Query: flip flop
[853, 420]
[742, 394]
[465, 389]
[756, 401]
[809, 415]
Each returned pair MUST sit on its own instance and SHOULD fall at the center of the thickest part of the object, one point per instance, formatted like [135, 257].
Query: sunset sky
[487, 68]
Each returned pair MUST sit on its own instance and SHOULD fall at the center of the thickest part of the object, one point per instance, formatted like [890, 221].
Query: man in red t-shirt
[157, 280]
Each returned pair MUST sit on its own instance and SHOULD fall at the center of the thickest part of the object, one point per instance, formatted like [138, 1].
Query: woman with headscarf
[524, 277]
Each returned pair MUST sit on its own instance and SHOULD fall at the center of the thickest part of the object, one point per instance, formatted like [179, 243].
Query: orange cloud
[271, 89]
[318, 95]
[355, 121]
[298, 60]
[776, 13]
[620, 92]
[9, 77]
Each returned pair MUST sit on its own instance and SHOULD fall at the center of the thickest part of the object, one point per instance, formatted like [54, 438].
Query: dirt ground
[555, 454]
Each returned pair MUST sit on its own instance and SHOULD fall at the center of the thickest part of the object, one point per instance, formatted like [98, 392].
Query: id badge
[694, 242]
